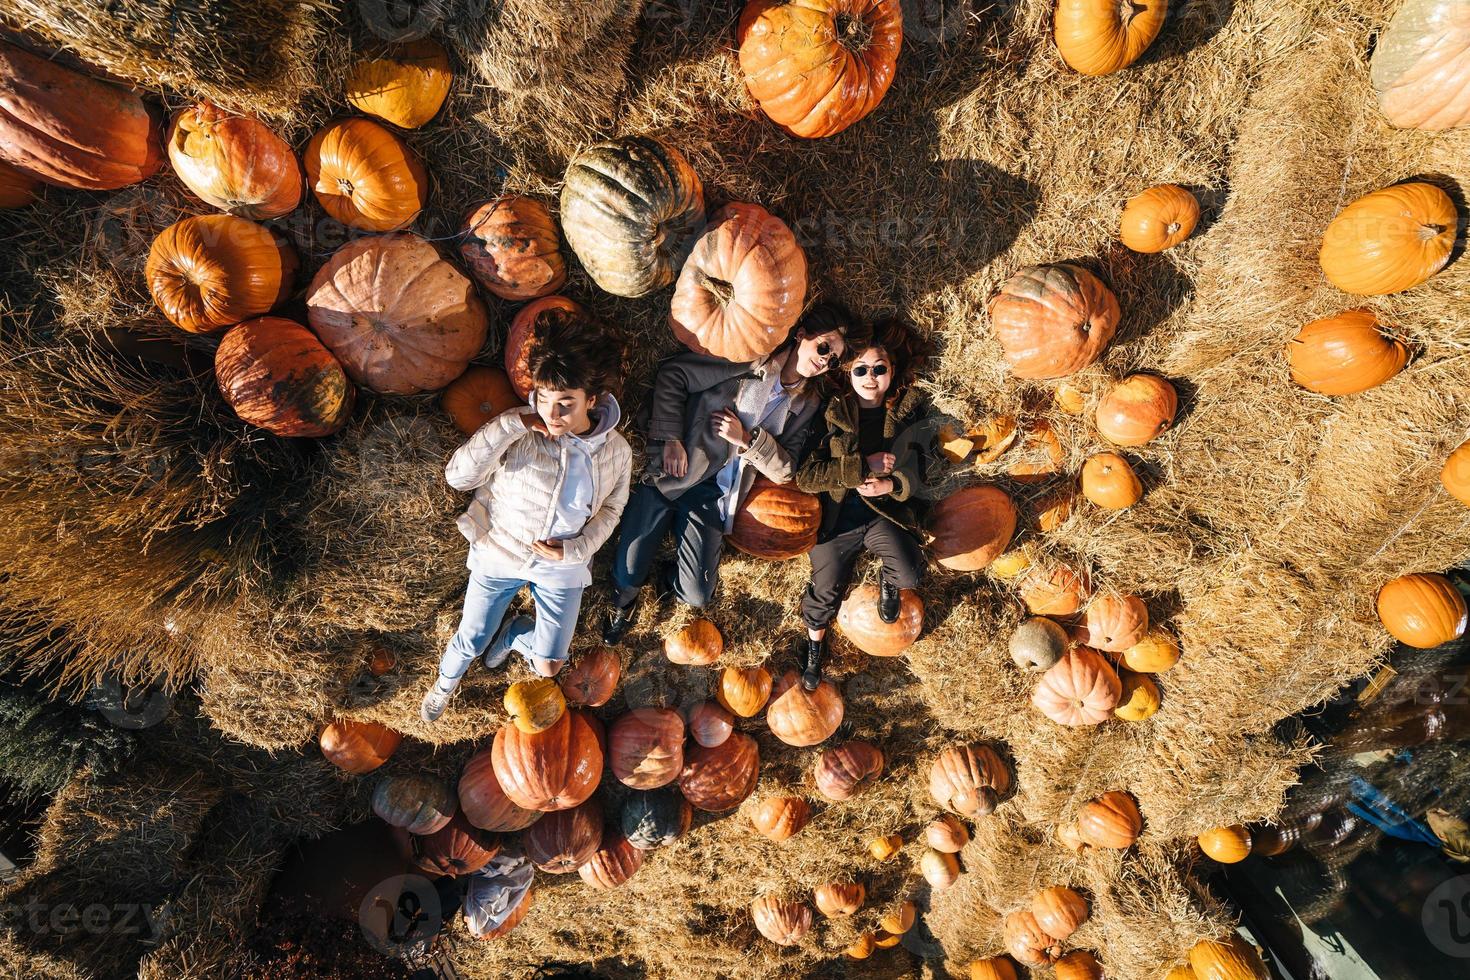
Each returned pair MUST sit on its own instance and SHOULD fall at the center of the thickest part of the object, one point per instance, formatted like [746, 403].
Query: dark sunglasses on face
[861, 370]
[824, 349]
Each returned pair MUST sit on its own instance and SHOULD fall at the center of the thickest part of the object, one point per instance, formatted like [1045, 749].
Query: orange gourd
[1027, 942]
[860, 948]
[512, 248]
[1231, 958]
[476, 397]
[709, 724]
[1059, 592]
[523, 330]
[483, 801]
[800, 717]
[1390, 240]
[234, 163]
[1422, 610]
[1110, 821]
[839, 897]
[1115, 623]
[1053, 320]
[1137, 410]
[885, 848]
[969, 779]
[215, 270]
[1344, 354]
[940, 869]
[1154, 654]
[358, 746]
[776, 521]
[971, 527]
[276, 375]
[614, 863]
[744, 690]
[1454, 476]
[900, 920]
[1140, 698]
[1109, 482]
[858, 620]
[1097, 37]
[1159, 218]
[404, 84]
[552, 770]
[846, 770]
[646, 747]
[1059, 911]
[561, 842]
[783, 923]
[1228, 845]
[781, 817]
[365, 176]
[697, 644]
[1080, 689]
[720, 778]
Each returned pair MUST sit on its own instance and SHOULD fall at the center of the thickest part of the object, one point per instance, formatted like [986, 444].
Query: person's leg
[547, 643]
[485, 602]
[901, 554]
[701, 542]
[645, 521]
[832, 564]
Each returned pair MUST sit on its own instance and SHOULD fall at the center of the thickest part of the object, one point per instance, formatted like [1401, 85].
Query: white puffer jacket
[517, 477]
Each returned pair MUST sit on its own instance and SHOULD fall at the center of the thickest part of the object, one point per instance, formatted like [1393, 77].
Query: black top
[855, 511]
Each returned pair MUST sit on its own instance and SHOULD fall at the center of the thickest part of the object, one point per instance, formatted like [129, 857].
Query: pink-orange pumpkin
[1080, 689]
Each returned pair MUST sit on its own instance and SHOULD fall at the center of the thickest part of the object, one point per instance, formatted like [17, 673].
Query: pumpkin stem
[723, 290]
[1172, 228]
[1129, 9]
[1429, 232]
[854, 33]
[344, 186]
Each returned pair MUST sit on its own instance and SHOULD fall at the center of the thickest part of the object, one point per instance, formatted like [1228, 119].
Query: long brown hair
[906, 350]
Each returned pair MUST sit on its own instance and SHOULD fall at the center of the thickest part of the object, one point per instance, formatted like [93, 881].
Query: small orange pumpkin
[1159, 218]
[1060, 592]
[1109, 482]
[358, 746]
[697, 644]
[476, 397]
[971, 527]
[534, 705]
[709, 724]
[404, 84]
[1110, 821]
[593, 678]
[1059, 911]
[860, 948]
[858, 620]
[1115, 623]
[900, 920]
[1136, 410]
[1344, 354]
[783, 923]
[781, 817]
[1053, 320]
[234, 163]
[946, 834]
[994, 968]
[1154, 654]
[1422, 610]
[886, 848]
[744, 690]
[512, 248]
[776, 522]
[215, 270]
[1455, 475]
[1078, 965]
[1390, 240]
[800, 717]
[1097, 37]
[839, 897]
[1228, 845]
[365, 176]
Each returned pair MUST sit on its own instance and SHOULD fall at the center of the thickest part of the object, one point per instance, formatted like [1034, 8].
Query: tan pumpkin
[1159, 218]
[1454, 476]
[1037, 644]
[476, 397]
[1059, 911]
[1058, 592]
[534, 705]
[1078, 965]
[781, 817]
[593, 678]
[483, 800]
[939, 868]
[971, 527]
[776, 522]
[1231, 958]
[1109, 482]
[1422, 610]
[512, 248]
[1390, 240]
[404, 84]
[994, 968]
[886, 848]
[552, 770]
[744, 691]
[1137, 410]
[234, 163]
[523, 331]
[1115, 623]
[800, 717]
[1027, 943]
[614, 863]
[1421, 66]
[561, 842]
[946, 834]
[720, 778]
[697, 644]
[17, 189]
[783, 923]
[215, 270]
[1344, 354]
[276, 375]
[1154, 654]
[839, 897]
[1140, 698]
[401, 319]
[1053, 320]
[1111, 821]
[365, 176]
[1098, 37]
[742, 288]
[1080, 689]
[859, 622]
[709, 724]
[358, 746]
[646, 747]
[846, 770]
[1228, 845]
[969, 779]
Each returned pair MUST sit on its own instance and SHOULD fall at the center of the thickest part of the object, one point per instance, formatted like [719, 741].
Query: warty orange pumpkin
[1421, 66]
[215, 270]
[365, 176]
[776, 521]
[276, 375]
[1137, 410]
[477, 396]
[971, 527]
[1390, 240]
[1159, 218]
[234, 163]
[1344, 354]
[534, 705]
[1053, 320]
[1097, 37]
[404, 84]
[1422, 610]
[512, 248]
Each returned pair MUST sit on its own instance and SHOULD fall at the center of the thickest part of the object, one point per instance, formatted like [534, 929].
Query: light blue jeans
[486, 600]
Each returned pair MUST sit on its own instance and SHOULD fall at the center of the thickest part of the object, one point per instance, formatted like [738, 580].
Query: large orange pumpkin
[858, 620]
[552, 770]
[846, 770]
[1454, 476]
[800, 717]
[483, 800]
[1231, 958]
[709, 724]
[743, 286]
[67, 129]
[215, 270]
[1097, 37]
[234, 163]
[744, 690]
[1344, 354]
[780, 817]
[1058, 592]
[418, 804]
[783, 923]
[1421, 66]
[1109, 482]
[1027, 942]
[646, 747]
[400, 318]
[512, 248]
[561, 842]
[523, 330]
[276, 375]
[1080, 689]
[477, 396]
[365, 176]
[818, 66]
[1111, 820]
[696, 644]
[720, 778]
[1159, 218]
[404, 84]
[593, 678]
[776, 521]
[1136, 410]
[614, 863]
[358, 746]
[969, 779]
[17, 189]
[1390, 240]
[1422, 610]
[457, 848]
[971, 527]
[1053, 320]
[1115, 623]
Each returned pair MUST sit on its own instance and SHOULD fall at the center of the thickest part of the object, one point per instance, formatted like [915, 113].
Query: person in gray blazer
[712, 425]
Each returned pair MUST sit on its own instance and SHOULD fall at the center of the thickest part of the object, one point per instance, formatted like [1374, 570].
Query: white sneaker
[500, 646]
[435, 702]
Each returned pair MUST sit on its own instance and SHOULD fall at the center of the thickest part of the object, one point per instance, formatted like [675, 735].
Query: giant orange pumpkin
[646, 747]
[69, 130]
[971, 527]
[1115, 623]
[780, 817]
[776, 521]
[215, 270]
[1390, 240]
[800, 717]
[593, 678]
[1454, 476]
[1058, 592]
[276, 375]
[483, 800]
[720, 778]
[1231, 958]
[1053, 320]
[400, 318]
[969, 779]
[17, 189]
[696, 644]
[358, 746]
[477, 396]
[1422, 610]
[523, 330]
[743, 286]
[512, 248]
[744, 690]
[365, 176]
[1111, 820]
[234, 163]
[552, 770]
[1344, 354]
[457, 848]
[783, 923]
[1080, 689]
[1421, 66]
[614, 863]
[563, 841]
[1097, 37]
[858, 620]
[846, 770]
[1136, 410]
[1159, 218]
[404, 84]
[818, 66]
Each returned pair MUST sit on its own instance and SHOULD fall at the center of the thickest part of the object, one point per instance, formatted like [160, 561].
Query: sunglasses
[861, 370]
[824, 349]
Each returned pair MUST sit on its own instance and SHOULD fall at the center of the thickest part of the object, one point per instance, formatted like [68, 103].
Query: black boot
[889, 602]
[813, 654]
[617, 624]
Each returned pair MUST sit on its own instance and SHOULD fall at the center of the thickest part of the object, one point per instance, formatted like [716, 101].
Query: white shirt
[774, 408]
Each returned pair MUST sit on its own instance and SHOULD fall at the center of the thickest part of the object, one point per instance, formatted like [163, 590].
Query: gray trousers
[694, 519]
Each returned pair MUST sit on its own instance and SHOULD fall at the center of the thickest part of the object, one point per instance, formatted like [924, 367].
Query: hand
[727, 426]
[676, 460]
[881, 464]
[550, 550]
[876, 486]
[535, 423]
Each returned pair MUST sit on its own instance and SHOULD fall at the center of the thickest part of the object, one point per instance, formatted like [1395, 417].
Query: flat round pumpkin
[404, 84]
[1053, 320]
[1390, 240]
[552, 770]
[1344, 354]
[776, 522]
[561, 842]
[720, 778]
[781, 817]
[1080, 689]
[276, 375]
[1159, 218]
[512, 248]
[1421, 66]
[358, 746]
[483, 800]
[800, 717]
[1098, 37]
[234, 163]
[215, 270]
[858, 620]
[646, 747]
[365, 176]
[971, 527]
[843, 771]
[1137, 410]
[969, 779]
[477, 396]
[1422, 610]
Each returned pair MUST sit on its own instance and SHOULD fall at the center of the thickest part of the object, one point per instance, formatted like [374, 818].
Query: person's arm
[775, 457]
[908, 473]
[820, 471]
[601, 525]
[476, 461]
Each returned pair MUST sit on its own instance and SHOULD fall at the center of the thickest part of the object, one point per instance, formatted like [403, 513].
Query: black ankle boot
[889, 602]
[616, 626]
[813, 655]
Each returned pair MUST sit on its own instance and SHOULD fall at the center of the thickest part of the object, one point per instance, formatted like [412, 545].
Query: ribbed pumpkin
[846, 770]
[1037, 644]
[1027, 942]
[512, 248]
[1053, 320]
[1390, 240]
[552, 770]
[651, 820]
[1080, 689]
[215, 270]
[365, 176]
[483, 800]
[1159, 218]
[836, 898]
[1059, 911]
[1097, 37]
[1422, 610]
[946, 834]
[698, 644]
[477, 396]
[743, 286]
[630, 209]
[858, 620]
[1059, 592]
[1137, 410]
[70, 130]
[234, 163]
[534, 705]
[1140, 698]
[1111, 821]
[1228, 845]
[358, 746]
[800, 717]
[1344, 354]
[1078, 965]
[720, 778]
[276, 375]
[646, 747]
[418, 804]
[1231, 958]
[561, 842]
[971, 527]
[1154, 654]
[744, 690]
[780, 817]
[401, 319]
[523, 330]
[614, 863]
[1115, 623]
[1109, 482]
[776, 521]
[969, 779]
[1421, 66]
[457, 848]
[783, 923]
[818, 66]
[939, 868]
[994, 968]
[709, 724]
[593, 678]
[1454, 476]
[404, 84]
[17, 190]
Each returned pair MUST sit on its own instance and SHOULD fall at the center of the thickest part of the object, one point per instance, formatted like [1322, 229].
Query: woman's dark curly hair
[906, 350]
[570, 349]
